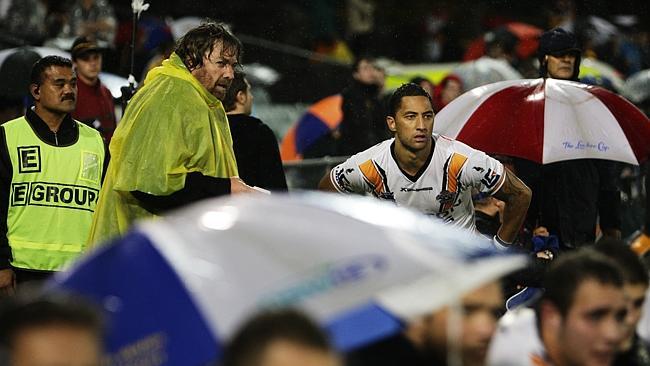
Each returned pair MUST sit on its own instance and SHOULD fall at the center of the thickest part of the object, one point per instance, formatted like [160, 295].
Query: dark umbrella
[15, 73]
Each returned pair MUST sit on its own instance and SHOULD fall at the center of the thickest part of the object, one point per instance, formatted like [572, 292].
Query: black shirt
[257, 153]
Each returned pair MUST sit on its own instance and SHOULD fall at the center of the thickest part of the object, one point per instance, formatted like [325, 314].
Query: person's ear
[551, 315]
[35, 90]
[241, 97]
[390, 122]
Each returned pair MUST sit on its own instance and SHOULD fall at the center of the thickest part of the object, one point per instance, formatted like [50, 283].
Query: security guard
[50, 176]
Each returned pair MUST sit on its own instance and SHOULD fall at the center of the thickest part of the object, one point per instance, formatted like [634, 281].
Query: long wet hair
[201, 40]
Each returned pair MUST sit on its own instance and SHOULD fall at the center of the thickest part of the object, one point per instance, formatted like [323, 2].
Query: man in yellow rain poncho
[173, 145]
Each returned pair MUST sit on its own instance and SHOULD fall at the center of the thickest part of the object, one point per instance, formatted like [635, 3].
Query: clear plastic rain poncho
[172, 126]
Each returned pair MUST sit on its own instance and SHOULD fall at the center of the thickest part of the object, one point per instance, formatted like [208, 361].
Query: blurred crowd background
[283, 34]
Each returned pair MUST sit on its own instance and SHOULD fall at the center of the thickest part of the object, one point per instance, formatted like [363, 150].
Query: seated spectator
[449, 88]
[580, 319]
[48, 330]
[25, 22]
[280, 338]
[91, 18]
[425, 83]
[634, 351]
[425, 341]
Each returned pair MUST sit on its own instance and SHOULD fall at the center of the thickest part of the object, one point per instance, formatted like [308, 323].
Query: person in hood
[571, 199]
[173, 145]
[559, 55]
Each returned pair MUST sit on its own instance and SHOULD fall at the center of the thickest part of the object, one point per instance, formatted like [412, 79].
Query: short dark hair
[250, 342]
[238, 84]
[43, 64]
[570, 270]
[406, 90]
[198, 41]
[634, 271]
[29, 310]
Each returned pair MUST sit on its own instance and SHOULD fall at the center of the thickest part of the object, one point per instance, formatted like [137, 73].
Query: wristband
[500, 243]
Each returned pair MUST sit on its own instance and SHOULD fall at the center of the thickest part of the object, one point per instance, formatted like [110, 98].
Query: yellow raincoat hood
[172, 126]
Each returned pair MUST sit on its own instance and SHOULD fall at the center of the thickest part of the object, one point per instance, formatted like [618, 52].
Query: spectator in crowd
[449, 88]
[425, 83]
[254, 143]
[501, 44]
[25, 21]
[280, 338]
[50, 177]
[360, 25]
[173, 145]
[570, 197]
[425, 341]
[91, 18]
[580, 319]
[428, 172]
[363, 118]
[48, 330]
[94, 101]
[634, 351]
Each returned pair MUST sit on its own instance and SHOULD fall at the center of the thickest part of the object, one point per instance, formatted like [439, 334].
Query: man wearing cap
[95, 102]
[570, 197]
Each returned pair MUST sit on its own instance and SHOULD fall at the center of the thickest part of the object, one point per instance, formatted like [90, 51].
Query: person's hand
[545, 254]
[238, 186]
[7, 282]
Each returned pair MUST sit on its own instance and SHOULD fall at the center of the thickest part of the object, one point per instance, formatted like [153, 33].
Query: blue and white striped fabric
[175, 289]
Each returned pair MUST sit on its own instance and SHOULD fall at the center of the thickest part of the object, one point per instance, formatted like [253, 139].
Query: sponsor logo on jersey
[451, 186]
[406, 189]
[57, 195]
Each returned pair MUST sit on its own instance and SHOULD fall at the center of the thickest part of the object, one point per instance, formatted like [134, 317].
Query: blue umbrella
[177, 287]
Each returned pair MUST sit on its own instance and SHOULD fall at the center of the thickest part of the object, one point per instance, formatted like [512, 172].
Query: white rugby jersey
[516, 341]
[443, 187]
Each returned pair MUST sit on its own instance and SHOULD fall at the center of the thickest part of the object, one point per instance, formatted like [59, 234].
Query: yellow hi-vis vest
[54, 190]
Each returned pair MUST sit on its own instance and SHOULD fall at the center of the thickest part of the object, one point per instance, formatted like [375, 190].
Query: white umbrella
[485, 70]
[637, 86]
[547, 120]
[111, 81]
[358, 266]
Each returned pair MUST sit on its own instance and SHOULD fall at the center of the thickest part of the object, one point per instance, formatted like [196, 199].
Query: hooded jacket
[172, 128]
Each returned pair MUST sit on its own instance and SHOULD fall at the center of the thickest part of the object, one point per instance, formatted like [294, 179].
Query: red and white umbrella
[547, 120]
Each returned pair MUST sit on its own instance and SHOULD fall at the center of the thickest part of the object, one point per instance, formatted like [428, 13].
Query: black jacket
[392, 351]
[570, 197]
[364, 119]
[257, 153]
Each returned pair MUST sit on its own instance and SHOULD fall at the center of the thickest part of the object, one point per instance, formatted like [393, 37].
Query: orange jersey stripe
[455, 165]
[372, 176]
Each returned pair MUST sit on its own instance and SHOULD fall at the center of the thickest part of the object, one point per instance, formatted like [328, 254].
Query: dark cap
[82, 46]
[558, 41]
